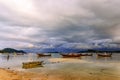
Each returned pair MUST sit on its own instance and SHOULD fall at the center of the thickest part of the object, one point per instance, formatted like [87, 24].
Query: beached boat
[71, 55]
[105, 55]
[42, 55]
[33, 64]
[86, 54]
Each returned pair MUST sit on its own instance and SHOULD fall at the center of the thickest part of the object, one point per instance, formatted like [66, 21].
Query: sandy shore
[6, 74]
[67, 69]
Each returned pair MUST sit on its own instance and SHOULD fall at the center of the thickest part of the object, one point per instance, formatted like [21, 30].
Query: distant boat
[42, 55]
[105, 55]
[19, 53]
[71, 55]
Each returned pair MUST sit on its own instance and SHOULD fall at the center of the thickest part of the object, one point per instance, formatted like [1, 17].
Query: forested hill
[11, 50]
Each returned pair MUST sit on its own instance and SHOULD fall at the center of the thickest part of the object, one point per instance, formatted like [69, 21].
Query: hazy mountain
[67, 50]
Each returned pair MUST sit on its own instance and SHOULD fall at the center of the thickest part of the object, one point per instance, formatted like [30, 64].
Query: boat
[42, 55]
[19, 53]
[27, 65]
[86, 54]
[105, 55]
[71, 55]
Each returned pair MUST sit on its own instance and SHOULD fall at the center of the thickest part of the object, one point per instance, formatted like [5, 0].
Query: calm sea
[15, 61]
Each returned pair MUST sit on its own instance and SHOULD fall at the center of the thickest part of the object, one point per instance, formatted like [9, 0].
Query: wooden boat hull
[34, 64]
[43, 55]
[70, 55]
[19, 53]
[86, 54]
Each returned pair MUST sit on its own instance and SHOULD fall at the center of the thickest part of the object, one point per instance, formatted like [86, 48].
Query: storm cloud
[59, 23]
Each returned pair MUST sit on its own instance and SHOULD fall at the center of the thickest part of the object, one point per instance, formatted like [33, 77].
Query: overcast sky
[59, 23]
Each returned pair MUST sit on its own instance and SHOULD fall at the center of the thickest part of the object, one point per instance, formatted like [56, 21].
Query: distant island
[11, 50]
[63, 50]
[100, 51]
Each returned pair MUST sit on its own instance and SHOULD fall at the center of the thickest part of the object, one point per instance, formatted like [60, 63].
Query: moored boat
[105, 55]
[19, 53]
[86, 54]
[71, 55]
[42, 55]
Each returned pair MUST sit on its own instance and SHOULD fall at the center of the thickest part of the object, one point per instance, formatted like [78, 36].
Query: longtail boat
[71, 55]
[105, 55]
[43, 55]
[86, 54]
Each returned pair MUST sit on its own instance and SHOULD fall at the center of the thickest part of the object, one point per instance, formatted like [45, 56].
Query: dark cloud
[60, 22]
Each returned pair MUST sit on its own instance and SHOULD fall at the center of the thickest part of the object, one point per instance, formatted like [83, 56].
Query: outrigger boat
[71, 55]
[105, 55]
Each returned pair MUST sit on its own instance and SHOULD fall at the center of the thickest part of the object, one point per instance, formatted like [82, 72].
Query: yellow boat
[33, 64]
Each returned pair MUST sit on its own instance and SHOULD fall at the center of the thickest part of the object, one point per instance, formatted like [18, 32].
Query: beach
[66, 69]
[59, 39]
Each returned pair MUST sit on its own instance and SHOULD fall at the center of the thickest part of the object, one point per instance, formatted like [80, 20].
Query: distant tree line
[103, 51]
[10, 50]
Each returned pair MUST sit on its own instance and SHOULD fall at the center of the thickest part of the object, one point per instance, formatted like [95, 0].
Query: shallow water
[15, 61]
[58, 68]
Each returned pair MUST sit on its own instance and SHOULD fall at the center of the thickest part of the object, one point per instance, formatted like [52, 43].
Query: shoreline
[65, 69]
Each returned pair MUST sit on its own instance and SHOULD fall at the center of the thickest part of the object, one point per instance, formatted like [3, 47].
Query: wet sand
[66, 69]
